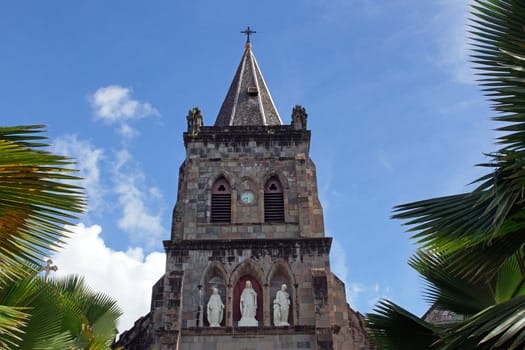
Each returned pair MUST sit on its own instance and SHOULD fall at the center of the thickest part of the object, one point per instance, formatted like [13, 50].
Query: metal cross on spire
[48, 268]
[247, 32]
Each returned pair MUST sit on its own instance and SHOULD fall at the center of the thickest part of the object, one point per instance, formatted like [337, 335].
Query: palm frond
[96, 314]
[501, 326]
[44, 314]
[482, 262]
[393, 328]
[468, 219]
[453, 222]
[447, 290]
[35, 202]
[12, 321]
[476, 240]
[510, 281]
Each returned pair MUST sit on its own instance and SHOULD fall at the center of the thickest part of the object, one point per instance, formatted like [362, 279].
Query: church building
[248, 261]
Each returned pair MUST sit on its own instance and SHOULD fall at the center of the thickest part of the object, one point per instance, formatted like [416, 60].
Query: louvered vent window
[221, 201]
[273, 201]
[252, 91]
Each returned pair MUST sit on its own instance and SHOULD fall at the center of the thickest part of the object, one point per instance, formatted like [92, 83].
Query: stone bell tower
[248, 261]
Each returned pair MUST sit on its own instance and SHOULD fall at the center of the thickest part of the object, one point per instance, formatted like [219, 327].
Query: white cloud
[155, 192]
[114, 105]
[140, 205]
[121, 158]
[136, 219]
[127, 131]
[353, 292]
[87, 158]
[125, 276]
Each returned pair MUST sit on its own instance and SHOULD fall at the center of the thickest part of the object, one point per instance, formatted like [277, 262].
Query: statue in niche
[194, 120]
[281, 307]
[299, 117]
[215, 309]
[248, 304]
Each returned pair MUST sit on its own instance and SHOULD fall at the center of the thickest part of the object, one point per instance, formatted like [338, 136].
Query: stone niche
[214, 277]
[280, 275]
[237, 291]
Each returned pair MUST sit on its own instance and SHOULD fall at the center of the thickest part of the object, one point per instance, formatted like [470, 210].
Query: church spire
[248, 101]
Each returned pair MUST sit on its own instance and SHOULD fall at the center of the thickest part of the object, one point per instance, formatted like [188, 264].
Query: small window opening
[273, 201]
[221, 201]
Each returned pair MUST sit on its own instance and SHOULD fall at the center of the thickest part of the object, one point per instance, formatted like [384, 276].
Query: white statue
[281, 307]
[248, 304]
[215, 309]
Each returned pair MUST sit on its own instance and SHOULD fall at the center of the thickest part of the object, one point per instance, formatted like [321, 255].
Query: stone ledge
[247, 332]
[243, 134]
[302, 243]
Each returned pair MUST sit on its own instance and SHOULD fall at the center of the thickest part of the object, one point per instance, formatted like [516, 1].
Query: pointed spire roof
[248, 101]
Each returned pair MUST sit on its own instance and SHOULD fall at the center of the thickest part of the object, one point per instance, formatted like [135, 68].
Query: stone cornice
[242, 332]
[283, 134]
[214, 244]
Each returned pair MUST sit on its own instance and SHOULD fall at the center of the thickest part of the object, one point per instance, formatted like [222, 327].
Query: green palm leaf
[448, 291]
[58, 314]
[472, 244]
[12, 320]
[96, 315]
[510, 282]
[43, 321]
[481, 262]
[501, 326]
[35, 202]
[454, 222]
[394, 328]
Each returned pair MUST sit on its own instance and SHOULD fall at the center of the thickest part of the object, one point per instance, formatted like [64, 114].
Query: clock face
[247, 197]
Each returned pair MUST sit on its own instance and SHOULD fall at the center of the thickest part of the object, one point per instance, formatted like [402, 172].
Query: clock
[247, 197]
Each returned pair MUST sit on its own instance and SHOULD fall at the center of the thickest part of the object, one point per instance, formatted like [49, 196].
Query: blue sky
[393, 107]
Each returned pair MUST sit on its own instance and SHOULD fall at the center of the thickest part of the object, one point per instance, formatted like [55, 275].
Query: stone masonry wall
[242, 341]
[247, 163]
[270, 262]
[318, 300]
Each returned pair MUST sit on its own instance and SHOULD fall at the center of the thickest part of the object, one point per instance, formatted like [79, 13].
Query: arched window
[221, 201]
[273, 201]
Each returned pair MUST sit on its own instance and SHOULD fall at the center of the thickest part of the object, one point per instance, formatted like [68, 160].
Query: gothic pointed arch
[214, 276]
[221, 197]
[281, 267]
[280, 176]
[222, 173]
[247, 267]
[215, 268]
[273, 200]
[251, 271]
[281, 273]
